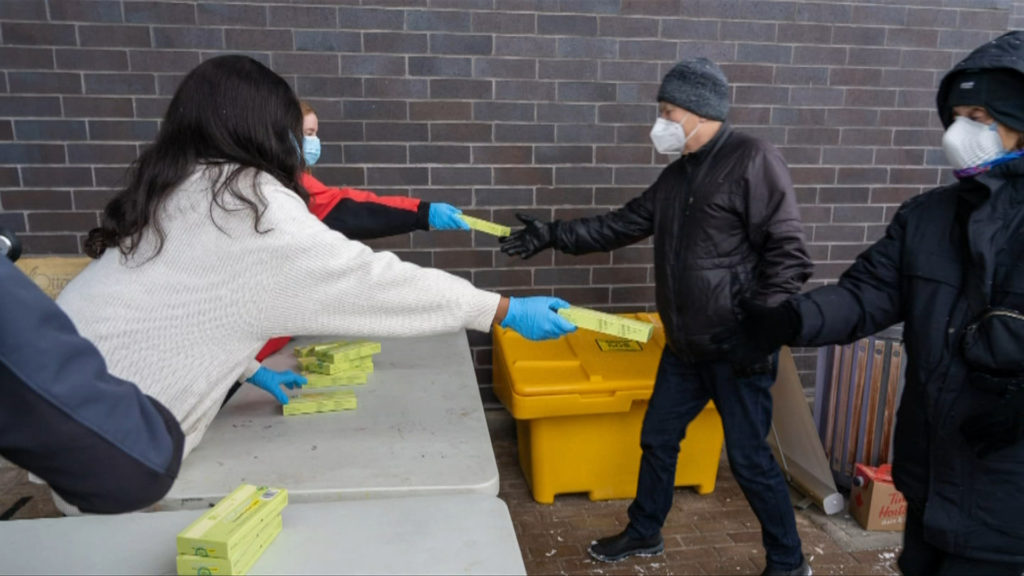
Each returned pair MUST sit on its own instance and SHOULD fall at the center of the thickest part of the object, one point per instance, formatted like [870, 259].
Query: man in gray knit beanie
[699, 86]
[727, 238]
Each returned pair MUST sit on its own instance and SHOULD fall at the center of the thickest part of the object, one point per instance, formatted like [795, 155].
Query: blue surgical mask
[311, 149]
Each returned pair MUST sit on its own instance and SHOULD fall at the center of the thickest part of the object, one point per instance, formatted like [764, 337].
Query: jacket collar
[701, 154]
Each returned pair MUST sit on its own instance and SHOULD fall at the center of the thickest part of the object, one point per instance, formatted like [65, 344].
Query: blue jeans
[681, 391]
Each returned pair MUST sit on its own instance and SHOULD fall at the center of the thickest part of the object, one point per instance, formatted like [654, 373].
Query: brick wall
[497, 106]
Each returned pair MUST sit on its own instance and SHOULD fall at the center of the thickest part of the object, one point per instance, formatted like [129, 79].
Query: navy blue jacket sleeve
[98, 441]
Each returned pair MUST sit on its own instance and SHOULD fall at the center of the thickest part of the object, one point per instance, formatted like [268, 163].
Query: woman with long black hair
[210, 250]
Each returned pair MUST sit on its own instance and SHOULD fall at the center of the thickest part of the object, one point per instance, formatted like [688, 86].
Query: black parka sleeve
[622, 227]
[867, 298]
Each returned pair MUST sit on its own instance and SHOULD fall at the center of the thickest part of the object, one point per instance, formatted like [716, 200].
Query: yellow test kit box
[226, 529]
[248, 556]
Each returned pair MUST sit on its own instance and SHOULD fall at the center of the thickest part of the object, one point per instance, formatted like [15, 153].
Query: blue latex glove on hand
[446, 217]
[272, 381]
[536, 317]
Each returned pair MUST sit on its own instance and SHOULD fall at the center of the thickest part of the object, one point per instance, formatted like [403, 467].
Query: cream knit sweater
[186, 325]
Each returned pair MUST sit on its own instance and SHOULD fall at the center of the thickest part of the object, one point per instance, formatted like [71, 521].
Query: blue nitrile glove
[446, 217]
[535, 317]
[271, 381]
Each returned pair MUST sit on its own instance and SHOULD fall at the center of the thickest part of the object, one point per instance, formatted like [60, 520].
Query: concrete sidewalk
[713, 534]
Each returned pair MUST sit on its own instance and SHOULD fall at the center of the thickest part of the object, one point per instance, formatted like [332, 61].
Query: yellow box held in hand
[320, 402]
[486, 226]
[620, 326]
[348, 351]
[345, 378]
[312, 364]
[226, 529]
[188, 564]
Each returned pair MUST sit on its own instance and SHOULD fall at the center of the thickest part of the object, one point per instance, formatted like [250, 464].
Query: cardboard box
[874, 502]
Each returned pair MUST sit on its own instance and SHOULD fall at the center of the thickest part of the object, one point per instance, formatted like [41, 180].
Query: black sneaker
[620, 546]
[804, 569]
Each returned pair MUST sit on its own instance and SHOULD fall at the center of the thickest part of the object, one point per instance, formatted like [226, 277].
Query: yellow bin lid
[581, 363]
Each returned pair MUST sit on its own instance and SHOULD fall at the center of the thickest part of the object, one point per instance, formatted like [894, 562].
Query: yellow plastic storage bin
[579, 403]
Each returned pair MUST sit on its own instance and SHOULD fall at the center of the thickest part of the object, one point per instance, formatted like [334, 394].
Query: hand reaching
[536, 317]
[271, 381]
[760, 333]
[533, 237]
[445, 217]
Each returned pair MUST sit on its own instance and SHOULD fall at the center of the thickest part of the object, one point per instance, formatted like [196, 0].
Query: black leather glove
[762, 330]
[997, 424]
[533, 237]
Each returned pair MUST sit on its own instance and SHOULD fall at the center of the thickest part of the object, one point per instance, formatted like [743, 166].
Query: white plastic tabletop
[419, 428]
[447, 534]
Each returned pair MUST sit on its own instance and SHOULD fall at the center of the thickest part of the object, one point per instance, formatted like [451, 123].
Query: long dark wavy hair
[229, 111]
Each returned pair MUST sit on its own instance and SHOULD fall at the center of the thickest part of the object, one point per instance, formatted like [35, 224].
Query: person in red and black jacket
[363, 215]
[360, 214]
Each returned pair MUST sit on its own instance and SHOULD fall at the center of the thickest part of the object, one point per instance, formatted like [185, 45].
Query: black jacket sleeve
[98, 441]
[622, 227]
[867, 298]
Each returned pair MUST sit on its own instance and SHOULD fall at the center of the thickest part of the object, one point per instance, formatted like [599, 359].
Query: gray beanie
[699, 86]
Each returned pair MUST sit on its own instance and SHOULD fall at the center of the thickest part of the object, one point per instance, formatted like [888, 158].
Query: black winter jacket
[916, 274]
[726, 227]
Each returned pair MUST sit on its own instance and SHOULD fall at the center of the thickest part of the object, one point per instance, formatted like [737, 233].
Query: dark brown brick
[327, 41]
[464, 259]
[159, 12]
[124, 130]
[395, 88]
[504, 68]
[49, 243]
[577, 175]
[21, 153]
[375, 154]
[623, 71]
[503, 23]
[393, 42]
[437, 20]
[440, 66]
[636, 176]
[471, 44]
[850, 156]
[56, 177]
[110, 177]
[819, 34]
[30, 106]
[460, 89]
[647, 50]
[584, 296]
[14, 221]
[460, 132]
[93, 199]
[370, 18]
[596, 48]
[440, 110]
[566, 25]
[150, 107]
[820, 55]
[119, 84]
[98, 154]
[37, 34]
[504, 111]
[586, 92]
[801, 154]
[397, 132]
[899, 156]
[844, 195]
[825, 12]
[496, 155]
[14, 58]
[922, 176]
[926, 138]
[502, 197]
[624, 155]
[620, 27]
[880, 15]
[501, 278]
[6, 130]
[561, 276]
[858, 214]
[525, 46]
[114, 36]
[866, 137]
[163, 61]
[858, 36]
[563, 155]
[561, 113]
[392, 176]
[525, 176]
[258, 39]
[652, 8]
[62, 221]
[371, 65]
[814, 175]
[447, 176]
[633, 134]
[303, 17]
[23, 10]
[347, 176]
[44, 130]
[584, 133]
[186, 37]
[893, 194]
[221, 14]
[29, 199]
[341, 87]
[44, 82]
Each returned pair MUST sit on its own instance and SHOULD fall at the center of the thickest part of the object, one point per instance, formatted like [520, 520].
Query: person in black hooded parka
[951, 268]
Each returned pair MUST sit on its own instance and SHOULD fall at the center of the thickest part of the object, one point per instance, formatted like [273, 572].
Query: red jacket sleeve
[362, 215]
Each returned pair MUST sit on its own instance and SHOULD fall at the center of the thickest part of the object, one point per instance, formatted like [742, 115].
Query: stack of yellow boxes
[330, 365]
[231, 536]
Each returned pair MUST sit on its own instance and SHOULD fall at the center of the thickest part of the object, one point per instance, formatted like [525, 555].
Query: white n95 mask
[668, 136]
[968, 143]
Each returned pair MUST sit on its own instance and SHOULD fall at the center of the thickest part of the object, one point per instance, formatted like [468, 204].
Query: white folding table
[419, 429]
[446, 534]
